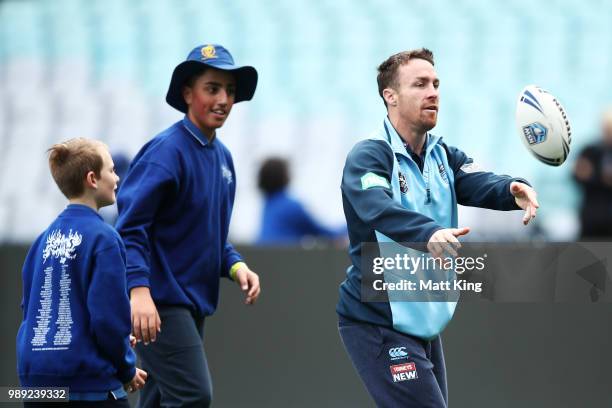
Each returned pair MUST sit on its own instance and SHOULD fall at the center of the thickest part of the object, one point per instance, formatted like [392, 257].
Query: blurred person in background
[593, 173]
[285, 221]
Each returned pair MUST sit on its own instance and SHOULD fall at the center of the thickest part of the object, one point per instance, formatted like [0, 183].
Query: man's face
[107, 183]
[417, 95]
[210, 99]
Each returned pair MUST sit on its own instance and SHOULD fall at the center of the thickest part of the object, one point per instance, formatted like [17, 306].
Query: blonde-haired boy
[76, 312]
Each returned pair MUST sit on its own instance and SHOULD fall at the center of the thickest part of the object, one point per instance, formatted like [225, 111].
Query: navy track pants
[398, 370]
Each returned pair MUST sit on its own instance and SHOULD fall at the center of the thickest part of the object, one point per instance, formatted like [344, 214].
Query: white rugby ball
[543, 125]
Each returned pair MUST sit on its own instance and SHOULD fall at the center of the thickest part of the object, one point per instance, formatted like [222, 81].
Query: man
[593, 173]
[403, 184]
[174, 212]
[285, 220]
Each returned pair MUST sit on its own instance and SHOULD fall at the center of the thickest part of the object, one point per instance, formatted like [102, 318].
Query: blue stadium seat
[101, 69]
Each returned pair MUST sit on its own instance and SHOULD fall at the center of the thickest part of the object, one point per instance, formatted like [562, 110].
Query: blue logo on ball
[535, 133]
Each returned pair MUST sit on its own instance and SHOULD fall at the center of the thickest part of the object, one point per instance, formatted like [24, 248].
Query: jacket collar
[397, 143]
[80, 209]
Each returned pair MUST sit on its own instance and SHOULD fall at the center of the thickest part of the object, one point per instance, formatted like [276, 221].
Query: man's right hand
[145, 319]
[444, 242]
[137, 382]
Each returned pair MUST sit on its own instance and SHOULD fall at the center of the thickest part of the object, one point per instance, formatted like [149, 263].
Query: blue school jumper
[175, 206]
[76, 312]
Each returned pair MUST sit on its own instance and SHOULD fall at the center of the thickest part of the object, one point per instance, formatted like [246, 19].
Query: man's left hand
[526, 198]
[249, 283]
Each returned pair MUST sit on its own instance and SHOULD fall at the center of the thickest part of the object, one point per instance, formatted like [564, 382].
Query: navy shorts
[397, 369]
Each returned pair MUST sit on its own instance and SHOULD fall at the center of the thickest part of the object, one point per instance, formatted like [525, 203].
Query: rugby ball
[543, 125]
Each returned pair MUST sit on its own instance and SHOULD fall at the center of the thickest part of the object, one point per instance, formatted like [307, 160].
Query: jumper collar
[81, 209]
[196, 132]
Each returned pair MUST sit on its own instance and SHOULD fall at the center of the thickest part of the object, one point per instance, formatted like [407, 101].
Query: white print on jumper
[62, 246]
[44, 312]
[63, 323]
[227, 174]
[63, 335]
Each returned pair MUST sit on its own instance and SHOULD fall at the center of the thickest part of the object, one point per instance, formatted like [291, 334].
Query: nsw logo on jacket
[402, 182]
[443, 174]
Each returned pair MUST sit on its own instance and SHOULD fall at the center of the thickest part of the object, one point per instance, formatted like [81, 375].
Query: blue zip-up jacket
[285, 221]
[175, 206]
[389, 197]
[76, 312]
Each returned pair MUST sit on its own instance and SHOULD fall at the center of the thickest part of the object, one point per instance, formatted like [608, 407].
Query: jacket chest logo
[443, 174]
[402, 182]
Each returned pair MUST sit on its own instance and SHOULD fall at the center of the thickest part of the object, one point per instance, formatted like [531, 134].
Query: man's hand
[249, 283]
[444, 242]
[526, 198]
[145, 319]
[137, 382]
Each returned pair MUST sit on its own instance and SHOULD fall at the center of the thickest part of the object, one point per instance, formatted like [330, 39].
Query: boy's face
[210, 99]
[107, 183]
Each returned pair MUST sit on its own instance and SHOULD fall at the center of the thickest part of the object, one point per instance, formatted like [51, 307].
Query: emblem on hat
[208, 51]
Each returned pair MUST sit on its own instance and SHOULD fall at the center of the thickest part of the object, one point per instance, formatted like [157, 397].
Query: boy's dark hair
[194, 77]
[273, 175]
[387, 71]
[70, 162]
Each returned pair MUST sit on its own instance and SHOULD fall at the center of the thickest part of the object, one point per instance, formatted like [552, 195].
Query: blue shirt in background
[285, 221]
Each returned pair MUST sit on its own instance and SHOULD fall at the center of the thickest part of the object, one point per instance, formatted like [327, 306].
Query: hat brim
[246, 82]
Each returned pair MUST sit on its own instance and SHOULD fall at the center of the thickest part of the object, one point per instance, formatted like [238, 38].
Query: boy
[175, 206]
[76, 313]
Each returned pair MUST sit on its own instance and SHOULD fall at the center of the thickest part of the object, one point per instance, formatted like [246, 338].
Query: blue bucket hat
[215, 56]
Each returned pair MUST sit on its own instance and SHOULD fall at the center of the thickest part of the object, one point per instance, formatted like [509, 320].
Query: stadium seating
[101, 68]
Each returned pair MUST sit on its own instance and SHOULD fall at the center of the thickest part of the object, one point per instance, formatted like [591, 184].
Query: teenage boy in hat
[174, 213]
[72, 335]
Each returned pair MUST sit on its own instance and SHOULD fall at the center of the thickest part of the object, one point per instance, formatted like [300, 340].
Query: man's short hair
[70, 162]
[387, 71]
[273, 175]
